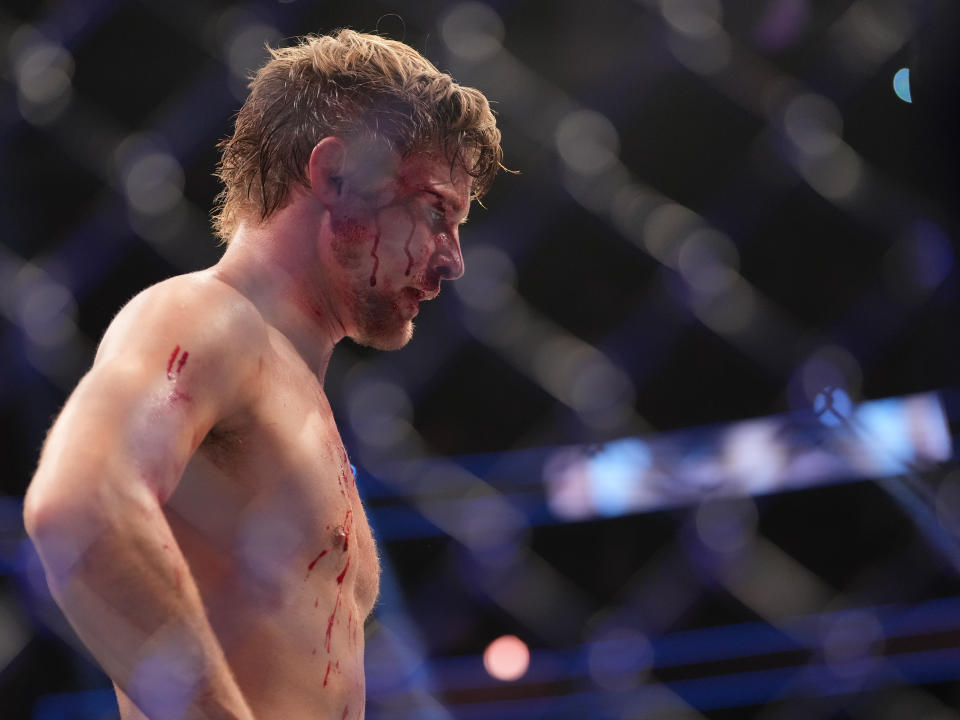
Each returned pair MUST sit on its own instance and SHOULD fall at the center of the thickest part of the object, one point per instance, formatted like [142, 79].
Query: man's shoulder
[203, 293]
[197, 303]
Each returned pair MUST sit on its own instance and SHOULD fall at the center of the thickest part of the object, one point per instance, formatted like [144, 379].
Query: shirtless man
[194, 508]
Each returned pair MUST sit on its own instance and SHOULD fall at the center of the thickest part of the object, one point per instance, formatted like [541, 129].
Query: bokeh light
[851, 642]
[901, 84]
[827, 366]
[782, 24]
[44, 72]
[587, 141]
[492, 278]
[380, 412]
[697, 18]
[507, 658]
[832, 405]
[473, 31]
[813, 123]
[619, 658]
[45, 309]
[726, 525]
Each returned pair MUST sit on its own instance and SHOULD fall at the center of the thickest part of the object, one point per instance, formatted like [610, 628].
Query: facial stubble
[377, 314]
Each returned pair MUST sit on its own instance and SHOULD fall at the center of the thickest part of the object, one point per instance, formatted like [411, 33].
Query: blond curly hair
[353, 86]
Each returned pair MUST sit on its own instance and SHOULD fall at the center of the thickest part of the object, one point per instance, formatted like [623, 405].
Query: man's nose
[447, 260]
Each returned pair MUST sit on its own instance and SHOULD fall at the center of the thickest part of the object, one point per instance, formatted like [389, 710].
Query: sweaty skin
[194, 506]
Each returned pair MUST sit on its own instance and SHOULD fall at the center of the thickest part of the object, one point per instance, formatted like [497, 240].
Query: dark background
[715, 202]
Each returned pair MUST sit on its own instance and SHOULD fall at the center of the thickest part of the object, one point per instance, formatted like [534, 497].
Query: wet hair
[360, 88]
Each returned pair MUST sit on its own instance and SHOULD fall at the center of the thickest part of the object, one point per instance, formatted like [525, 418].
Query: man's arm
[180, 357]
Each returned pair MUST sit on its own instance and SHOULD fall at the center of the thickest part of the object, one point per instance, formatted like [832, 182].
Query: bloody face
[394, 249]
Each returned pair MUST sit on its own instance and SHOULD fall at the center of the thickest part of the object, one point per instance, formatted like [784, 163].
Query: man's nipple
[341, 533]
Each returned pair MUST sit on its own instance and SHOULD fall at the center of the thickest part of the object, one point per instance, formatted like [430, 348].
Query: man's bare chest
[270, 505]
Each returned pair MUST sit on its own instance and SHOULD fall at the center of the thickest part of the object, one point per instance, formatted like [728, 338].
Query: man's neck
[277, 267]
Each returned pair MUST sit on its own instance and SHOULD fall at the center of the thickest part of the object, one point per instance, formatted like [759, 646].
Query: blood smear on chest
[344, 573]
[316, 560]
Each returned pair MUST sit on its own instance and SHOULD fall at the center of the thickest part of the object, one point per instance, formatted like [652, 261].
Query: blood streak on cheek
[406, 245]
[373, 254]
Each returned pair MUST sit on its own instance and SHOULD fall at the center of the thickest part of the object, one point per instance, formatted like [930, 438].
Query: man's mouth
[422, 295]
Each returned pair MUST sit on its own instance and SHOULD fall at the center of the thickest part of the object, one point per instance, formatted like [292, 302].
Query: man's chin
[383, 339]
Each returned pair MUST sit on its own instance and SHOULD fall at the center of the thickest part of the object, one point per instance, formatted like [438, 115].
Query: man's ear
[326, 170]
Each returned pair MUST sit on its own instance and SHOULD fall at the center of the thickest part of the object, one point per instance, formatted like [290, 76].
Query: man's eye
[437, 216]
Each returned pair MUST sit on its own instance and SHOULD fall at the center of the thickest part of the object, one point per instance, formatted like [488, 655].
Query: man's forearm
[122, 582]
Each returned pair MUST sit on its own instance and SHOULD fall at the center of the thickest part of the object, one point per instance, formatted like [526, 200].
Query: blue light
[616, 472]
[886, 436]
[832, 405]
[98, 704]
[901, 84]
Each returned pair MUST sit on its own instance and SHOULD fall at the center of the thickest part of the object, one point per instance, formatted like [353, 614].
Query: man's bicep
[122, 427]
[156, 423]
[112, 458]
